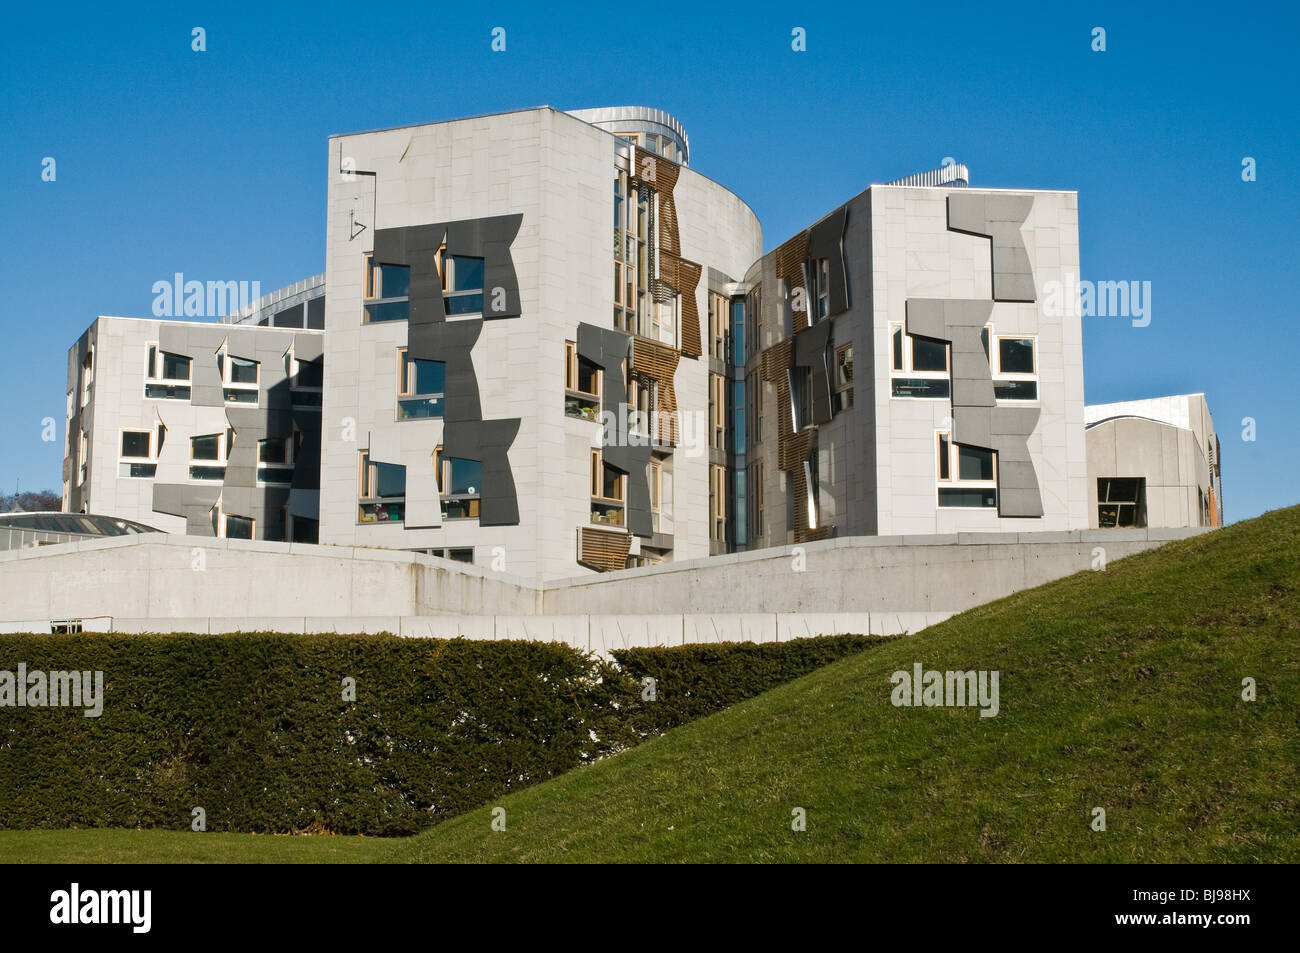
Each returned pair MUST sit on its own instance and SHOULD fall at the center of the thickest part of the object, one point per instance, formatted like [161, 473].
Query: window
[462, 284]
[83, 457]
[421, 386]
[718, 412]
[387, 291]
[719, 326]
[844, 377]
[275, 460]
[302, 529]
[208, 455]
[460, 555]
[1121, 502]
[822, 279]
[228, 525]
[1013, 365]
[581, 384]
[655, 477]
[918, 366]
[460, 485]
[239, 377]
[167, 375]
[718, 503]
[238, 527]
[643, 407]
[137, 457]
[608, 492]
[967, 475]
[757, 469]
[305, 380]
[87, 376]
[382, 495]
[799, 381]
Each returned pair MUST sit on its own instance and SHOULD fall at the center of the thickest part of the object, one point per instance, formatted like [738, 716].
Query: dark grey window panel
[309, 347]
[486, 238]
[607, 349]
[488, 441]
[193, 503]
[633, 461]
[998, 218]
[316, 313]
[826, 240]
[810, 347]
[289, 317]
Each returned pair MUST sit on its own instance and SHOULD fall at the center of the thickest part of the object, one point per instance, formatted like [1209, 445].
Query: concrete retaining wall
[864, 584]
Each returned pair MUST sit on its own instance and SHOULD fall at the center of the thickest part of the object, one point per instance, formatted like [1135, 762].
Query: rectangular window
[239, 377]
[919, 366]
[655, 476]
[421, 387]
[462, 284]
[719, 326]
[608, 491]
[1014, 366]
[1121, 502]
[844, 376]
[460, 485]
[137, 444]
[718, 503]
[87, 377]
[581, 385]
[717, 411]
[208, 455]
[166, 375]
[757, 469]
[382, 492]
[387, 291]
[823, 278]
[137, 458]
[967, 476]
[274, 460]
[238, 527]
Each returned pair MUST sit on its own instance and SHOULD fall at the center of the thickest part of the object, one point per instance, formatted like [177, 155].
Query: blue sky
[214, 163]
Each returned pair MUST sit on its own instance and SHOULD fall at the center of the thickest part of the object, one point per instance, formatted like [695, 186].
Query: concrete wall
[862, 584]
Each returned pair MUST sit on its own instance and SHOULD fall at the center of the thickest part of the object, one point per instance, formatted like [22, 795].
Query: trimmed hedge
[692, 681]
[253, 728]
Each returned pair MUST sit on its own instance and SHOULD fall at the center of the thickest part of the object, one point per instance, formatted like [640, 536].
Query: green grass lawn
[1118, 689]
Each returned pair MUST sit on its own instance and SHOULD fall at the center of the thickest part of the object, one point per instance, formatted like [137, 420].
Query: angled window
[275, 460]
[844, 377]
[967, 476]
[387, 291]
[382, 492]
[239, 378]
[87, 376]
[208, 455]
[460, 485]
[421, 387]
[167, 375]
[462, 284]
[918, 366]
[581, 385]
[608, 492]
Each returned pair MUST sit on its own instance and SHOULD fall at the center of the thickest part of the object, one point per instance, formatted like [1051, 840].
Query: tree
[30, 501]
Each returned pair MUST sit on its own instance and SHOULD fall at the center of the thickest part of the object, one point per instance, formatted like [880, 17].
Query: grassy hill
[1119, 689]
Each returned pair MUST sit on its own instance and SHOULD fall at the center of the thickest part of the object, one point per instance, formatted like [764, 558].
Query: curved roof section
[76, 524]
[637, 119]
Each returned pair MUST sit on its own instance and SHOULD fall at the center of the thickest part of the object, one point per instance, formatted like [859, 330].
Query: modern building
[554, 348]
[1153, 463]
[206, 428]
[503, 292]
[902, 377]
